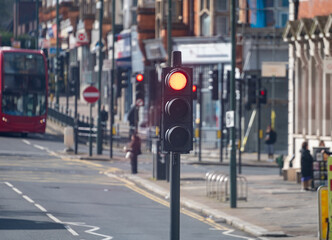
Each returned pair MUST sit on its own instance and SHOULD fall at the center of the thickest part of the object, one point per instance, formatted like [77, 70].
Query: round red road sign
[91, 94]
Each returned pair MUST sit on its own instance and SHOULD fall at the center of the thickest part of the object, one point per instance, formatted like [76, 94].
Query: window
[205, 25]
[222, 5]
[222, 26]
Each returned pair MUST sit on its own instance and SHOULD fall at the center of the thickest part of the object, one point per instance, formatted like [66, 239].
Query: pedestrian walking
[270, 140]
[135, 149]
[306, 167]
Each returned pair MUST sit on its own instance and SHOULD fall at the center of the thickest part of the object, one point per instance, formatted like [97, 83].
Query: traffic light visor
[139, 77]
[177, 81]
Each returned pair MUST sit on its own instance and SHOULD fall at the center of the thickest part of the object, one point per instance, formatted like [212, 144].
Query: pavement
[274, 209]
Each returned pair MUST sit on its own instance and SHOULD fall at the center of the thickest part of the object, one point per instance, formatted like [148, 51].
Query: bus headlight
[42, 121]
[4, 119]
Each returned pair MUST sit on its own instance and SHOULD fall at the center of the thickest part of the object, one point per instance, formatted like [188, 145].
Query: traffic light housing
[213, 84]
[195, 92]
[251, 90]
[122, 80]
[262, 96]
[140, 88]
[177, 109]
[74, 78]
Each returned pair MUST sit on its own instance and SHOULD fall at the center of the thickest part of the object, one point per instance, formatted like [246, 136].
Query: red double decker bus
[23, 91]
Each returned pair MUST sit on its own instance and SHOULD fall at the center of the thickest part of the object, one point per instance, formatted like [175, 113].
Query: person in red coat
[135, 149]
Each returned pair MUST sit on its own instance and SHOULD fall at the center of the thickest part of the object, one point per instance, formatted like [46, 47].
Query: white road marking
[228, 233]
[17, 191]
[26, 142]
[71, 231]
[28, 199]
[39, 147]
[53, 218]
[40, 207]
[92, 230]
[8, 184]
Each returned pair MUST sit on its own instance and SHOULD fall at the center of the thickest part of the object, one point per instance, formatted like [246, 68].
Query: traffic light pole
[222, 106]
[175, 196]
[199, 98]
[57, 83]
[233, 188]
[99, 130]
[111, 110]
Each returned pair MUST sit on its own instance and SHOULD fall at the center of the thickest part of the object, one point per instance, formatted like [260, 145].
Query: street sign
[139, 102]
[274, 69]
[91, 94]
[230, 119]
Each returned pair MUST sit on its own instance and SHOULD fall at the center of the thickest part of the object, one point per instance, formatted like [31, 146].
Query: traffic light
[194, 92]
[74, 78]
[140, 89]
[177, 109]
[121, 80]
[213, 84]
[262, 96]
[251, 90]
[60, 66]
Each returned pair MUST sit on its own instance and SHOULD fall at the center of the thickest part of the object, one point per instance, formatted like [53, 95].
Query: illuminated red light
[139, 77]
[262, 92]
[194, 88]
[177, 81]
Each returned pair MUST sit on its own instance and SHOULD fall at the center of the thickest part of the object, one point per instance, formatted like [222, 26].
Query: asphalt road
[46, 196]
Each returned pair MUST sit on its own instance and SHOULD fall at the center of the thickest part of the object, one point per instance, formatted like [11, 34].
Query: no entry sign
[91, 94]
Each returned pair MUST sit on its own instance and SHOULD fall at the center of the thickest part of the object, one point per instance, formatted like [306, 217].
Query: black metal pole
[221, 127]
[240, 127]
[57, 82]
[76, 119]
[90, 132]
[169, 33]
[112, 82]
[233, 188]
[200, 84]
[175, 196]
[37, 23]
[258, 121]
[100, 69]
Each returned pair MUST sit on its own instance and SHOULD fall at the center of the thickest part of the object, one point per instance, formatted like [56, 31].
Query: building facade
[308, 34]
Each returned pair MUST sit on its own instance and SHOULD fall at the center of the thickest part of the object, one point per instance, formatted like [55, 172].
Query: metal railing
[218, 185]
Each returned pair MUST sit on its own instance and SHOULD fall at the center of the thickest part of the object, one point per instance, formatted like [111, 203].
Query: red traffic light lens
[194, 88]
[139, 77]
[177, 81]
[262, 93]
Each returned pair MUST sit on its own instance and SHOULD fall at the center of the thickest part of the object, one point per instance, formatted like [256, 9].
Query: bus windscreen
[23, 84]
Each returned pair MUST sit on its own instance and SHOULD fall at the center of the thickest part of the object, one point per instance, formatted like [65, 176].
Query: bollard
[68, 138]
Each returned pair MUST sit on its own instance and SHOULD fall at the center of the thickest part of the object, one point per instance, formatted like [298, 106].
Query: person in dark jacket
[306, 166]
[135, 148]
[270, 139]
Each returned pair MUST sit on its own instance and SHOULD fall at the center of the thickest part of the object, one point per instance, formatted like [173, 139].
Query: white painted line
[53, 218]
[91, 94]
[26, 142]
[39, 147]
[71, 231]
[9, 184]
[28, 199]
[16, 190]
[40, 207]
